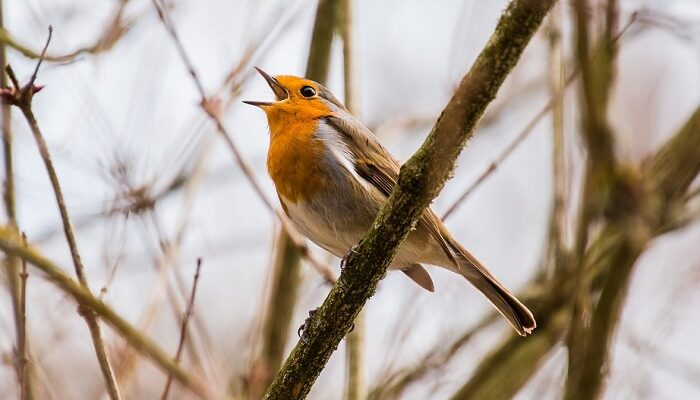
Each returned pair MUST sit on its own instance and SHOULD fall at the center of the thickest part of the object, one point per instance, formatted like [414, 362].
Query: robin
[332, 177]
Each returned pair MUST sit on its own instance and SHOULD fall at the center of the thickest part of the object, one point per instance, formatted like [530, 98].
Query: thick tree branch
[420, 180]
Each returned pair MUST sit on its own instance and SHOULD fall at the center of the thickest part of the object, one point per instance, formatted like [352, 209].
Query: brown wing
[376, 165]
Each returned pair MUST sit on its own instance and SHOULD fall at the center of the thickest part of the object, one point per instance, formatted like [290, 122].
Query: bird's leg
[347, 255]
[303, 331]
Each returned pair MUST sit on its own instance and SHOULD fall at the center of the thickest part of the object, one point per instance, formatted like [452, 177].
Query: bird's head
[297, 97]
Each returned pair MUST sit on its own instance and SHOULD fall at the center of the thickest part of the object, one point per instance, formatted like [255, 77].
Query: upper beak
[280, 92]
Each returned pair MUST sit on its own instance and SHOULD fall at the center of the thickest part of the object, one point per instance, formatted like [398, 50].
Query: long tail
[510, 307]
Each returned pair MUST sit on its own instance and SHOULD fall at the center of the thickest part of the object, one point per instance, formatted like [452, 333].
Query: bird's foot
[303, 331]
[344, 260]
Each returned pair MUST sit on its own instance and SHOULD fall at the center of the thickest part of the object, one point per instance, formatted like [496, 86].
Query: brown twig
[10, 242]
[13, 273]
[22, 98]
[22, 351]
[183, 328]
[114, 30]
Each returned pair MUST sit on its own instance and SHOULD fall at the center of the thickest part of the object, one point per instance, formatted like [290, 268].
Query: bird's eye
[308, 91]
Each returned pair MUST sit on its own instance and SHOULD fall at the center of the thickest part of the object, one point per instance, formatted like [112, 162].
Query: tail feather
[508, 305]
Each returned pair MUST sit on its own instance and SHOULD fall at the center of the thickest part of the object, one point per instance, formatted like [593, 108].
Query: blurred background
[151, 187]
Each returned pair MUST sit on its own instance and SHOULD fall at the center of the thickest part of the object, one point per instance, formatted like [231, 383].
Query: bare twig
[183, 328]
[10, 242]
[13, 273]
[22, 98]
[114, 30]
[556, 98]
[22, 351]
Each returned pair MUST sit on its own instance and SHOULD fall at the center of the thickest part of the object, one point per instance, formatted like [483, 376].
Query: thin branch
[26, 391]
[13, 273]
[420, 180]
[355, 368]
[286, 276]
[11, 243]
[114, 30]
[22, 98]
[183, 328]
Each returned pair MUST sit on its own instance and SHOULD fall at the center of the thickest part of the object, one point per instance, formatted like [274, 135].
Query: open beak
[280, 92]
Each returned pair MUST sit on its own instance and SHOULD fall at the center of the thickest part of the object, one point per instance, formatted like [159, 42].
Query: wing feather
[378, 167]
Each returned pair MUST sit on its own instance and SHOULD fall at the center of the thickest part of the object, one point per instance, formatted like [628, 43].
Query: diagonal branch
[420, 180]
[12, 243]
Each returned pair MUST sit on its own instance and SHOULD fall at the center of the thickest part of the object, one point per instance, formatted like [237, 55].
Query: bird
[332, 176]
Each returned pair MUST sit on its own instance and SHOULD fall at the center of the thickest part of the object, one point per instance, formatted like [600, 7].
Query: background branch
[11, 243]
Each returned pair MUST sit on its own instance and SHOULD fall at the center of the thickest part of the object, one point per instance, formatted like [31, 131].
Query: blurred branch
[638, 215]
[166, 262]
[25, 383]
[15, 282]
[11, 243]
[420, 180]
[183, 328]
[560, 175]
[601, 182]
[677, 163]
[287, 268]
[114, 30]
[355, 368]
[286, 275]
[321, 40]
[22, 98]
[503, 372]
[557, 97]
[434, 361]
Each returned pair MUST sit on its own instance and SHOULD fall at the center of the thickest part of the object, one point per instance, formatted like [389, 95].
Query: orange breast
[294, 157]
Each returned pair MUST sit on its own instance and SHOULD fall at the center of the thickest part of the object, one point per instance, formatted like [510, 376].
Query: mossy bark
[420, 180]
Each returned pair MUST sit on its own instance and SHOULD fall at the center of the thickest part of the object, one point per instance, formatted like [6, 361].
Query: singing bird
[332, 176]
